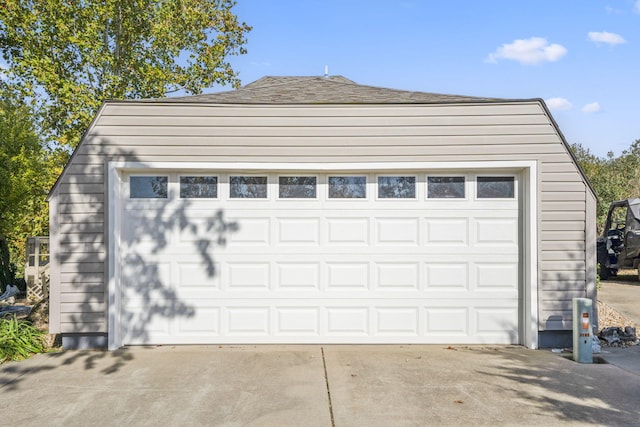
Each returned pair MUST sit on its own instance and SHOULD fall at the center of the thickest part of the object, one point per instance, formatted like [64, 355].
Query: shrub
[19, 339]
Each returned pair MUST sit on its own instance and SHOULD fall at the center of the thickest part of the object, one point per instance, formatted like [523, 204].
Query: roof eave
[75, 151]
[568, 148]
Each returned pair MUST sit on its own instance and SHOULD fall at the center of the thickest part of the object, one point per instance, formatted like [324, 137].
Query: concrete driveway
[316, 386]
[623, 294]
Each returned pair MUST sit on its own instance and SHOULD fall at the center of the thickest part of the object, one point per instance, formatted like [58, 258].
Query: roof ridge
[322, 89]
[271, 81]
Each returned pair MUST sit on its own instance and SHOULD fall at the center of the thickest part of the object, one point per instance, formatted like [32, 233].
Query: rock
[615, 336]
[630, 331]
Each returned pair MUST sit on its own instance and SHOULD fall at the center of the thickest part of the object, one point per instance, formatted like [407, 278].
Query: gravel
[609, 317]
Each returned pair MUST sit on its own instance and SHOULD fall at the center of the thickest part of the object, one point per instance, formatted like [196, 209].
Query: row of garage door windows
[305, 187]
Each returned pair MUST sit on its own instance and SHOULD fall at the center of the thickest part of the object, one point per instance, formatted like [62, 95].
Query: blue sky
[581, 56]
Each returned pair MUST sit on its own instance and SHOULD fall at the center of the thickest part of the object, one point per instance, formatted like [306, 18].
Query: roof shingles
[320, 90]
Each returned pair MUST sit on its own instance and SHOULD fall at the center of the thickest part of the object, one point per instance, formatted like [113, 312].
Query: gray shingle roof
[320, 90]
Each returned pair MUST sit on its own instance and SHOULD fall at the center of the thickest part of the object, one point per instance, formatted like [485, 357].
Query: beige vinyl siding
[156, 132]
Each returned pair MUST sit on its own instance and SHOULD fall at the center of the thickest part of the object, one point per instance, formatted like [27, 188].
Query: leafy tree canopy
[612, 177]
[68, 56]
[28, 169]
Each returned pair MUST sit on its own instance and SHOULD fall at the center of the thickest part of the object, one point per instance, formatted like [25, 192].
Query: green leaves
[64, 58]
[28, 169]
[19, 339]
[613, 178]
[71, 56]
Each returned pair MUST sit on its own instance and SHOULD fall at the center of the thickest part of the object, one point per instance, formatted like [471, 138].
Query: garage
[320, 210]
[308, 257]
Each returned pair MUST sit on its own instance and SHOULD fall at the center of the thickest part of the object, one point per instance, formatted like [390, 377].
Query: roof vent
[326, 71]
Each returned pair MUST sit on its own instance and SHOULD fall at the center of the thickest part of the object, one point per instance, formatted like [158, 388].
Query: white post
[582, 350]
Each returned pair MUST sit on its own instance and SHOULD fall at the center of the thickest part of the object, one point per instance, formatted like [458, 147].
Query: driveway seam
[326, 380]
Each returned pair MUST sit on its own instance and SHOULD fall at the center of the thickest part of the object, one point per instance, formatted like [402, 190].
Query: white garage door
[406, 257]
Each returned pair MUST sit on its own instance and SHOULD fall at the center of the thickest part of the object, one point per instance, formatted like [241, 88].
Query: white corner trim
[55, 290]
[531, 256]
[114, 339]
[530, 217]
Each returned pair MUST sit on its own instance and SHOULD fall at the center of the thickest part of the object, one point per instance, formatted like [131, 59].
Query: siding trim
[329, 166]
[529, 212]
[114, 310]
[530, 247]
[591, 290]
[54, 268]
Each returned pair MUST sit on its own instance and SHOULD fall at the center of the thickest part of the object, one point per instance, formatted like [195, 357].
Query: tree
[69, 56]
[613, 178]
[27, 172]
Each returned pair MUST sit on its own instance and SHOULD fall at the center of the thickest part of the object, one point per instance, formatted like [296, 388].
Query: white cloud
[605, 37]
[530, 51]
[593, 107]
[557, 104]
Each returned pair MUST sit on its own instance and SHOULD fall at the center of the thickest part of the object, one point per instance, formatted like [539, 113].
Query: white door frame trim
[529, 211]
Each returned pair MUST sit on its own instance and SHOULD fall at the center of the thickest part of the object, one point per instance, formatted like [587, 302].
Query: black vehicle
[619, 247]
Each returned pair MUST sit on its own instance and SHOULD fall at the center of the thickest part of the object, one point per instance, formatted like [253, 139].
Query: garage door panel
[298, 231]
[446, 321]
[204, 323]
[298, 276]
[212, 249]
[246, 321]
[396, 321]
[319, 270]
[294, 321]
[496, 276]
[347, 231]
[347, 276]
[397, 231]
[251, 232]
[443, 232]
[496, 321]
[227, 321]
[495, 232]
[198, 277]
[248, 276]
[146, 328]
[393, 276]
[145, 280]
[446, 276]
[351, 321]
[145, 234]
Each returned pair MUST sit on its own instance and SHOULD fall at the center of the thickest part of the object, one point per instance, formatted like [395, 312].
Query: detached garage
[317, 210]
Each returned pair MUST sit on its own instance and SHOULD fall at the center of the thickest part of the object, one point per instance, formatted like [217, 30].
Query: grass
[19, 339]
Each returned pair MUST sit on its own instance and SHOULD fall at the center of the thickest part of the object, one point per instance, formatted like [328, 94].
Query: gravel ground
[609, 317]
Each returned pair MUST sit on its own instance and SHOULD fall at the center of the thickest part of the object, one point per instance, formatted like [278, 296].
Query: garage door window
[396, 187]
[347, 187]
[148, 187]
[297, 187]
[445, 187]
[198, 187]
[496, 187]
[248, 187]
